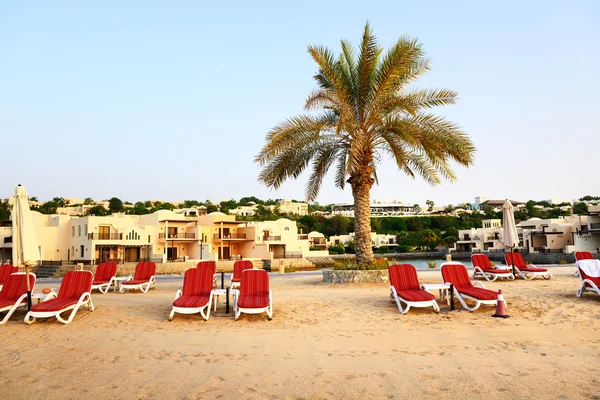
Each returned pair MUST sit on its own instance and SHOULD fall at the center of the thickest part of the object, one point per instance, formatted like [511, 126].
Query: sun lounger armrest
[477, 283]
[271, 300]
[129, 278]
[178, 294]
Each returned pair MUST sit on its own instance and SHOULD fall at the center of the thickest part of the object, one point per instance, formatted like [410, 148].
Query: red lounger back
[254, 290]
[208, 264]
[197, 282]
[74, 284]
[239, 267]
[16, 286]
[517, 258]
[579, 255]
[404, 277]
[105, 271]
[144, 270]
[457, 275]
[482, 261]
[5, 271]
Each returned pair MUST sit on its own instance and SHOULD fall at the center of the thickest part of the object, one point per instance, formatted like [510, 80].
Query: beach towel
[590, 267]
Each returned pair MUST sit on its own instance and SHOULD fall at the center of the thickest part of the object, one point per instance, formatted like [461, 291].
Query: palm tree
[361, 111]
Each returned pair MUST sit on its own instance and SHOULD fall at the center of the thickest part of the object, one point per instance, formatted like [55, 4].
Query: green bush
[290, 268]
[432, 264]
[562, 262]
[383, 250]
[402, 249]
[332, 249]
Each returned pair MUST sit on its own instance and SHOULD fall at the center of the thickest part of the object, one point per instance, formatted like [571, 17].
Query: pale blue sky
[152, 100]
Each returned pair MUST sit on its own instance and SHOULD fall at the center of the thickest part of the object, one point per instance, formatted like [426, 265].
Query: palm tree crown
[361, 111]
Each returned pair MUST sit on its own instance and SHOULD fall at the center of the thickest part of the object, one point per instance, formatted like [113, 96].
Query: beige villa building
[182, 234]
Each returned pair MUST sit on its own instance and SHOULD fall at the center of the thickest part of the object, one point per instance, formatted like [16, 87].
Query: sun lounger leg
[29, 319]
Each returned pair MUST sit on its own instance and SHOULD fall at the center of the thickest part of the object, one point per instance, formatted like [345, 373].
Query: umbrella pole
[28, 287]
[513, 260]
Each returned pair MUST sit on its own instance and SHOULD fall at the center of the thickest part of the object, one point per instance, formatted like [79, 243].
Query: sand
[325, 341]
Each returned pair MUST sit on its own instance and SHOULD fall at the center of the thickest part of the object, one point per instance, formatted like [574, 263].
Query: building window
[73, 231]
[148, 238]
[78, 230]
[85, 232]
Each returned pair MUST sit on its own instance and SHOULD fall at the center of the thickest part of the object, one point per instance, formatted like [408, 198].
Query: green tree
[139, 208]
[227, 205]
[210, 208]
[4, 210]
[60, 201]
[88, 201]
[580, 208]
[33, 198]
[367, 112]
[97, 211]
[115, 205]
[429, 238]
[430, 205]
[48, 207]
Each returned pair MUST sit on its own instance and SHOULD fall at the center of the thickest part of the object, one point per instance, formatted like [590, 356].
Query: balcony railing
[302, 237]
[230, 236]
[177, 236]
[595, 225]
[271, 238]
[105, 236]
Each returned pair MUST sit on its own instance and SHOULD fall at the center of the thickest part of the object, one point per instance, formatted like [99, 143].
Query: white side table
[118, 280]
[223, 292]
[41, 296]
[441, 287]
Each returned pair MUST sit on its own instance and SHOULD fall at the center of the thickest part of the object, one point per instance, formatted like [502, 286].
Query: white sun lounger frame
[84, 300]
[419, 304]
[144, 287]
[269, 309]
[204, 311]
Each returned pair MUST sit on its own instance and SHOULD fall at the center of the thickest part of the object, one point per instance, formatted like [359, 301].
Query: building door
[132, 254]
[226, 254]
[81, 249]
[225, 233]
[172, 253]
[103, 232]
[173, 233]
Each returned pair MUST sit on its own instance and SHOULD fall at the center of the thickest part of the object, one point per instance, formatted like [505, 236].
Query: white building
[377, 240]
[379, 208]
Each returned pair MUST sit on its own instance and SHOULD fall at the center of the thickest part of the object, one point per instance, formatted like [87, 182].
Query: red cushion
[416, 295]
[527, 269]
[404, 277]
[479, 293]
[16, 286]
[105, 271]
[191, 301]
[239, 267]
[456, 274]
[5, 271]
[197, 282]
[482, 261]
[259, 301]
[9, 303]
[99, 282]
[211, 265]
[74, 284]
[54, 304]
[254, 289]
[135, 282]
[584, 276]
[583, 255]
[517, 258]
[144, 270]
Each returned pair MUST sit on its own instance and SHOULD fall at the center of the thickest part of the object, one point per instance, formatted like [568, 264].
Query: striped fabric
[5, 271]
[403, 277]
[519, 262]
[104, 272]
[254, 289]
[579, 255]
[208, 264]
[457, 275]
[197, 285]
[239, 267]
[15, 286]
[74, 284]
[143, 272]
[482, 261]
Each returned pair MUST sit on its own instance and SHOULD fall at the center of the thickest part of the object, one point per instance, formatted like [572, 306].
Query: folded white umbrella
[25, 250]
[510, 237]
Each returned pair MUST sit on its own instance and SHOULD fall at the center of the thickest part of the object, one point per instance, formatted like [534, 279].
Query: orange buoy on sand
[46, 290]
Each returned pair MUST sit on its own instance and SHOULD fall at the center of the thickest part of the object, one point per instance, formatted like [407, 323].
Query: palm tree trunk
[361, 191]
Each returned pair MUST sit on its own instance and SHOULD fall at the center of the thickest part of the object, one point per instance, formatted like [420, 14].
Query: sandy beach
[325, 341]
